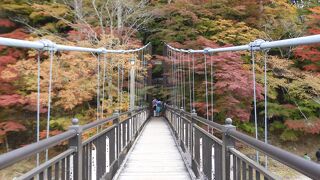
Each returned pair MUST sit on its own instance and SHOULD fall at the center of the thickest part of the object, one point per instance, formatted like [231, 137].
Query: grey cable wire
[38, 104]
[254, 99]
[189, 79]
[135, 82]
[144, 76]
[206, 81]
[129, 87]
[179, 80]
[103, 83]
[121, 88]
[110, 80]
[176, 79]
[211, 81]
[193, 106]
[265, 104]
[138, 80]
[49, 99]
[184, 82]
[98, 89]
[118, 86]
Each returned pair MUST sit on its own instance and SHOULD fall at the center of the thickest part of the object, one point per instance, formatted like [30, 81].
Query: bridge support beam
[228, 142]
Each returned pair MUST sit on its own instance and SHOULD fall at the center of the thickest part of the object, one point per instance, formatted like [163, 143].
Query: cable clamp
[206, 50]
[102, 50]
[48, 45]
[256, 45]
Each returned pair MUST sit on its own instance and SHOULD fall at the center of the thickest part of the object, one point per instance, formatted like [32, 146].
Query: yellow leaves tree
[225, 31]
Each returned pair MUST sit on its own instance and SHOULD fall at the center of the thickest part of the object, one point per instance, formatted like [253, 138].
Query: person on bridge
[307, 157]
[154, 105]
[318, 155]
[158, 108]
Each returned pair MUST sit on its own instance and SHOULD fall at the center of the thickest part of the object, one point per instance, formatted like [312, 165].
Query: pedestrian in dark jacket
[318, 155]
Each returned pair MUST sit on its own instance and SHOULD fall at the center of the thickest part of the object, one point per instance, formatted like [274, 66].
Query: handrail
[14, 156]
[43, 44]
[309, 168]
[256, 45]
[97, 123]
[298, 163]
[32, 173]
[214, 125]
[253, 163]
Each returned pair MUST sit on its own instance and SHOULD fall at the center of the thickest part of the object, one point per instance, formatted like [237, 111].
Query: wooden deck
[155, 155]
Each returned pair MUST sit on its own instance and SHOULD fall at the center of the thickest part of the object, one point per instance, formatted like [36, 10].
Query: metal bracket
[48, 45]
[256, 45]
[206, 50]
[102, 50]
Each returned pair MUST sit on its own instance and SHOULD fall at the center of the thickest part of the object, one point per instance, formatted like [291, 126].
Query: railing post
[76, 143]
[117, 134]
[228, 142]
[193, 163]
[130, 130]
[180, 126]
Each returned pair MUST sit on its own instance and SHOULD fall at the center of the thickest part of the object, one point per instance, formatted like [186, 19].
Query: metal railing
[97, 157]
[212, 157]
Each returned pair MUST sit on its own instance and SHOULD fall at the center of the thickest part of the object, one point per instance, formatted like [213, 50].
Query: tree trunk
[119, 15]
[78, 8]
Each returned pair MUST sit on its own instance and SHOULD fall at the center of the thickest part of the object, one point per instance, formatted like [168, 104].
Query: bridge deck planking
[155, 155]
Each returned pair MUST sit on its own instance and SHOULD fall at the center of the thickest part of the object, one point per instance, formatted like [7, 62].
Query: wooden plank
[155, 155]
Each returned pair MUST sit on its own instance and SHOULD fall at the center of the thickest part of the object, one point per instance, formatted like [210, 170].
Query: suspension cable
[121, 88]
[176, 81]
[38, 104]
[51, 52]
[98, 89]
[193, 105]
[110, 80]
[118, 69]
[103, 84]
[136, 80]
[144, 77]
[139, 80]
[211, 81]
[254, 98]
[129, 84]
[184, 82]
[265, 104]
[206, 83]
[189, 79]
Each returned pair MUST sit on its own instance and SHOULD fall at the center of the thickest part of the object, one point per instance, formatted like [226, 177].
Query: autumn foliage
[310, 55]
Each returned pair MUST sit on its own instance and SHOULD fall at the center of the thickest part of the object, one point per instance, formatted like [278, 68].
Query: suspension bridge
[134, 145]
